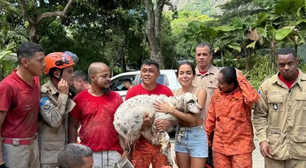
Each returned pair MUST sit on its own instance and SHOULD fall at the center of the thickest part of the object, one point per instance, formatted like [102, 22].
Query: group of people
[38, 121]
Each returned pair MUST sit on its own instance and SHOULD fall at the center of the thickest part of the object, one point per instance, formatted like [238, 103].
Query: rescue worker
[19, 108]
[279, 115]
[229, 114]
[55, 104]
[206, 74]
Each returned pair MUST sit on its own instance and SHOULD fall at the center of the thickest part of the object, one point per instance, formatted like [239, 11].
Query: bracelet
[2, 163]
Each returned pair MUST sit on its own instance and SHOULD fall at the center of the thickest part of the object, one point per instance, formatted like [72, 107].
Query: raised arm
[250, 95]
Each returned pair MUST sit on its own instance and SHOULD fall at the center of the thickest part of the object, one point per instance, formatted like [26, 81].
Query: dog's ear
[181, 103]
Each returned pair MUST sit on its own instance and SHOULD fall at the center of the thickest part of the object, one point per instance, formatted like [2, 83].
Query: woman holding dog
[191, 144]
[229, 115]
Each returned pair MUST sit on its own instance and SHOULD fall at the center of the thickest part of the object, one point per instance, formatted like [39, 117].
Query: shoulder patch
[45, 103]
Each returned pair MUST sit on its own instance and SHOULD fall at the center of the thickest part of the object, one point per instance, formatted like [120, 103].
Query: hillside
[207, 7]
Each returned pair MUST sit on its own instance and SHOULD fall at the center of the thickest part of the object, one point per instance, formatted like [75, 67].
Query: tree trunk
[33, 33]
[34, 22]
[153, 29]
[122, 54]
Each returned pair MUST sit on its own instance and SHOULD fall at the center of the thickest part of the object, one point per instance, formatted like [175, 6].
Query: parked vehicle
[167, 77]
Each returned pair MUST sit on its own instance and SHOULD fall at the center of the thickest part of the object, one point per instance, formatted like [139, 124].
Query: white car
[167, 77]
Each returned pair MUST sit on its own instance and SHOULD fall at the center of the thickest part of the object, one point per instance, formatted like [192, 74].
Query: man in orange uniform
[230, 115]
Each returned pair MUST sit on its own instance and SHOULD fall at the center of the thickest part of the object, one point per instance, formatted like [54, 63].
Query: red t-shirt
[288, 83]
[202, 73]
[139, 90]
[21, 101]
[96, 115]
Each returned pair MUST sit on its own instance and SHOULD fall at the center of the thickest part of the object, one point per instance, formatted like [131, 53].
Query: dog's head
[188, 102]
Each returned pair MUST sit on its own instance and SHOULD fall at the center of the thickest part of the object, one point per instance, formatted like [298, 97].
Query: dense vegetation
[245, 34]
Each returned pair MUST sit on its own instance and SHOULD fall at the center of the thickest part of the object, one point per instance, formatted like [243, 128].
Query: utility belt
[19, 141]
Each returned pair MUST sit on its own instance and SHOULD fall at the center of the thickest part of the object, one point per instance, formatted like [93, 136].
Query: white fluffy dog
[129, 118]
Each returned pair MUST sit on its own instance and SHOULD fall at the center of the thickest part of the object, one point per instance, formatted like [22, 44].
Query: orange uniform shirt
[229, 114]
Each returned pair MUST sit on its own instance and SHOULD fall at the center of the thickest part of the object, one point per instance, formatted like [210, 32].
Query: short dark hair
[230, 75]
[80, 75]
[72, 155]
[286, 51]
[28, 50]
[203, 44]
[150, 62]
[186, 63]
[127, 80]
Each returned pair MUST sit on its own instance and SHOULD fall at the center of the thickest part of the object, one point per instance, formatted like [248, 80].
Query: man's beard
[105, 90]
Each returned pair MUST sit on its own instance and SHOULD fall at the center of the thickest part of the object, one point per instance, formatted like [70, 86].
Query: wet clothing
[144, 153]
[96, 115]
[280, 115]
[53, 124]
[230, 115]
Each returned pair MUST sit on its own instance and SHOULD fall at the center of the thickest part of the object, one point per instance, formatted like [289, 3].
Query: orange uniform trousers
[232, 161]
[144, 153]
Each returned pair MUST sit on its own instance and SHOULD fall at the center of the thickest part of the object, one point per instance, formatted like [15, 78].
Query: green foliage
[244, 9]
[182, 47]
[261, 69]
[6, 62]
[202, 6]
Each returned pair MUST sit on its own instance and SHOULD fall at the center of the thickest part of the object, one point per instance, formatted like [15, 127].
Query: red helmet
[60, 60]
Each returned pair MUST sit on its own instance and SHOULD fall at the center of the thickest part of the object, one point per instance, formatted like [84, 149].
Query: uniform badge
[45, 103]
[275, 107]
